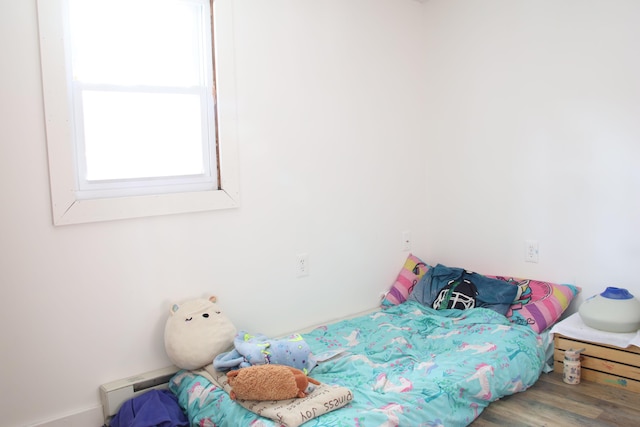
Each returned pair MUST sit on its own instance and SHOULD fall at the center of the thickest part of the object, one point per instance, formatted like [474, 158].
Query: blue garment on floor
[155, 408]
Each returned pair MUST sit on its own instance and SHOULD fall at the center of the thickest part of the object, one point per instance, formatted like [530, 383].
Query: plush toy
[196, 332]
[269, 382]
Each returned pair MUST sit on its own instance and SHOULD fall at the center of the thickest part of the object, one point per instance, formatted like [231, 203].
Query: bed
[404, 364]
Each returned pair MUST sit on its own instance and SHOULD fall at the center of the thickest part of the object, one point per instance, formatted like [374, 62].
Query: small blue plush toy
[251, 350]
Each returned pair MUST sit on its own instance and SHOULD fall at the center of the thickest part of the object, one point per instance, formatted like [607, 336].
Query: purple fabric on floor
[155, 408]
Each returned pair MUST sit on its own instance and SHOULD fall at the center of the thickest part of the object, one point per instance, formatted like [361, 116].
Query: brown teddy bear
[268, 382]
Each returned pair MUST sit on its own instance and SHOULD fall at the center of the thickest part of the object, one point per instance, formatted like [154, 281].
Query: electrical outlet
[531, 251]
[302, 265]
[406, 240]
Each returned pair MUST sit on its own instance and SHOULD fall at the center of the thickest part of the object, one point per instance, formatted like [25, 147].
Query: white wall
[533, 133]
[329, 101]
[476, 125]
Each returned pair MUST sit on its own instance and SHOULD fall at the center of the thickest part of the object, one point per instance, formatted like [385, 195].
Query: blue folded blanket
[260, 350]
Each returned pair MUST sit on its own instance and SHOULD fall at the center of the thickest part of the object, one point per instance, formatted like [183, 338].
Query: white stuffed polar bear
[196, 332]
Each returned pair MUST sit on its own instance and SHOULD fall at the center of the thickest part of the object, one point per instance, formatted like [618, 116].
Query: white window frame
[66, 207]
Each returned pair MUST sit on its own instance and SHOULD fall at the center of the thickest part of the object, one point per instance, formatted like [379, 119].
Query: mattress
[407, 365]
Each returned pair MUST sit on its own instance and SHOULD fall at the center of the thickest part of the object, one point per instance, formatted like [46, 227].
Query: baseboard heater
[115, 393]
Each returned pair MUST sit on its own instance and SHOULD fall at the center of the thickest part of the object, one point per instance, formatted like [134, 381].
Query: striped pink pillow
[412, 270]
[538, 304]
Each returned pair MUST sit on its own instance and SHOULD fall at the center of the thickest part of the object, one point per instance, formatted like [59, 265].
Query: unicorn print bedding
[407, 365]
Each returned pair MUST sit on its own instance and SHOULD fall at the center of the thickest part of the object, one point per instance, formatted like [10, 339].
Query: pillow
[446, 287]
[538, 304]
[289, 412]
[412, 270]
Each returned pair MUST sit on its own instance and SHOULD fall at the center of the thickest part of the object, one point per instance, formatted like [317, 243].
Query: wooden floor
[550, 402]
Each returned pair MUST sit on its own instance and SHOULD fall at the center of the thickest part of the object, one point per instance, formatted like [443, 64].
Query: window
[130, 107]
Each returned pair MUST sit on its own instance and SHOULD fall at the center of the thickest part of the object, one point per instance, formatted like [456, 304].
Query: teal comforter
[408, 365]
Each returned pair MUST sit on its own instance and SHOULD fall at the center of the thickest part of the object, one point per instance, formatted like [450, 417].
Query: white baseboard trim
[89, 418]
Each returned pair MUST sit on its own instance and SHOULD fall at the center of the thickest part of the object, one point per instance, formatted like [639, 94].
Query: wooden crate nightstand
[601, 363]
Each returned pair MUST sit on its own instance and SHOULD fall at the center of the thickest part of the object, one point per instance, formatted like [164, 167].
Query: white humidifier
[614, 310]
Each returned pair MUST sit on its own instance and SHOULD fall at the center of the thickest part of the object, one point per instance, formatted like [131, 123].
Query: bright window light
[130, 95]
[139, 42]
[164, 140]
[143, 98]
